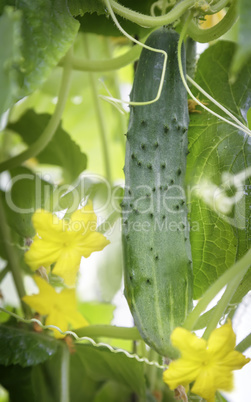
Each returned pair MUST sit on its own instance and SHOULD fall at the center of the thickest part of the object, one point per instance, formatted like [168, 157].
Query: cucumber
[155, 232]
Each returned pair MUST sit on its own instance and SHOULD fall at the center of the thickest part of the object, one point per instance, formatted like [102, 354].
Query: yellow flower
[208, 363]
[60, 308]
[212, 19]
[64, 242]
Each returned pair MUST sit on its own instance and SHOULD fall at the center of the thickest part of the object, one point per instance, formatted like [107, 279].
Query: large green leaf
[37, 35]
[26, 348]
[48, 30]
[102, 365]
[243, 52]
[215, 147]
[10, 28]
[61, 150]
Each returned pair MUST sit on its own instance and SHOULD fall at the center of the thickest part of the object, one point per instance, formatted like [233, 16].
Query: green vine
[111, 64]
[210, 34]
[13, 265]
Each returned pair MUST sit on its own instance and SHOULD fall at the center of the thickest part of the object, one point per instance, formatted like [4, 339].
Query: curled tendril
[88, 339]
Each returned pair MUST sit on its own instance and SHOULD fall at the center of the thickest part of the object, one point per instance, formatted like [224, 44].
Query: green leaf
[10, 30]
[28, 193]
[19, 346]
[48, 31]
[113, 392]
[97, 313]
[61, 151]
[218, 240]
[80, 7]
[102, 365]
[37, 35]
[93, 18]
[243, 52]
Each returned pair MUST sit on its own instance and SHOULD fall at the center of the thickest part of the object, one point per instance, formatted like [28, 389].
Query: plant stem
[237, 270]
[148, 21]
[52, 126]
[12, 260]
[244, 344]
[109, 331]
[107, 64]
[65, 364]
[210, 34]
[222, 305]
[100, 118]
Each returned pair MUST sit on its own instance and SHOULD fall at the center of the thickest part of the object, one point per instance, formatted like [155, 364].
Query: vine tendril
[86, 338]
[146, 47]
[239, 124]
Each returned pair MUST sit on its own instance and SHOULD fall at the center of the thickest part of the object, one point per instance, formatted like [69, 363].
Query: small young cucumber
[156, 245]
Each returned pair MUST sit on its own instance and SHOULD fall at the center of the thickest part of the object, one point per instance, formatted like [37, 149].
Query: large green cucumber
[157, 255]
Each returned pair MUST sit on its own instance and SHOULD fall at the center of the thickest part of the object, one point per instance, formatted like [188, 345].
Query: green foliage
[97, 313]
[61, 150]
[10, 28]
[23, 347]
[27, 193]
[35, 37]
[215, 147]
[243, 53]
[102, 365]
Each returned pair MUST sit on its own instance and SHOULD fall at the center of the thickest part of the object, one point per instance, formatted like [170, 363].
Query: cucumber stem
[148, 21]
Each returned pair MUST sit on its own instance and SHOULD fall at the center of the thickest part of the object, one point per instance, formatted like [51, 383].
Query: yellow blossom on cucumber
[60, 309]
[64, 242]
[209, 364]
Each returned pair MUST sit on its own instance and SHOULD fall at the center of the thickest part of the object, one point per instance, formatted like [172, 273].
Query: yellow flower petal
[42, 253]
[205, 385]
[60, 308]
[64, 242]
[191, 347]
[47, 225]
[208, 364]
[181, 372]
[234, 360]
[93, 241]
[84, 218]
[67, 266]
[43, 301]
[221, 341]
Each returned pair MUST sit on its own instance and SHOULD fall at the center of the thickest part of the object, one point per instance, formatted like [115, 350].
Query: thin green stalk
[210, 34]
[213, 9]
[237, 270]
[148, 21]
[244, 344]
[164, 3]
[52, 126]
[116, 83]
[222, 305]
[111, 64]
[109, 331]
[100, 117]
[65, 365]
[14, 266]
